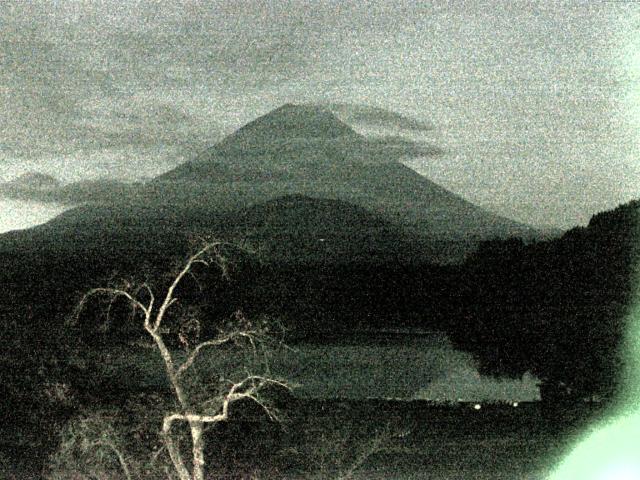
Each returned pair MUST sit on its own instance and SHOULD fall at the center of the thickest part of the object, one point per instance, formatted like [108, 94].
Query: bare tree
[191, 410]
[341, 452]
[94, 439]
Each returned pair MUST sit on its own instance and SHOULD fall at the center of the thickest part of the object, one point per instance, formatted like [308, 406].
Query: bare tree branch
[145, 286]
[174, 452]
[212, 343]
[232, 396]
[119, 455]
[364, 455]
[169, 299]
[113, 294]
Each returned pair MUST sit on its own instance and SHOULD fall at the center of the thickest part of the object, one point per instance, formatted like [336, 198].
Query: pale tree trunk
[197, 443]
[172, 448]
[174, 453]
[196, 426]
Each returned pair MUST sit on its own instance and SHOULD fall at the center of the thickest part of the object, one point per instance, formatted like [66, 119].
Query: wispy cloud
[368, 116]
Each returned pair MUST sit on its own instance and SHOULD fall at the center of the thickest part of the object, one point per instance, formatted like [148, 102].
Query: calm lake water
[425, 368]
[21, 214]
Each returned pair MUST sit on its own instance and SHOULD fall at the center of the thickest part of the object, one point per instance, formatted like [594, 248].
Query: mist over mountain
[369, 116]
[287, 123]
[301, 157]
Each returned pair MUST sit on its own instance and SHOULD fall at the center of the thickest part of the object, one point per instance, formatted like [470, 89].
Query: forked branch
[236, 392]
[193, 355]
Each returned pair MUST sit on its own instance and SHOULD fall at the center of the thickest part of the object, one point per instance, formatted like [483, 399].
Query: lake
[422, 367]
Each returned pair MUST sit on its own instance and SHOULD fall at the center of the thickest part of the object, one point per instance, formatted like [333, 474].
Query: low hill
[292, 228]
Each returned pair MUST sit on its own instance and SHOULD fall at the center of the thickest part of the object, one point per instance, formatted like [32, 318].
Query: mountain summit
[290, 143]
[289, 123]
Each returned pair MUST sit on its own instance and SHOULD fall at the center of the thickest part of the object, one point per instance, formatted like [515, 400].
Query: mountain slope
[301, 228]
[309, 151]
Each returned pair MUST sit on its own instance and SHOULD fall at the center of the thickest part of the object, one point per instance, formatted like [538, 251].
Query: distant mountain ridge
[40, 187]
[31, 181]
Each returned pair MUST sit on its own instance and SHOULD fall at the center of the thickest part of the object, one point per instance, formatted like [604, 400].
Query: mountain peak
[289, 122]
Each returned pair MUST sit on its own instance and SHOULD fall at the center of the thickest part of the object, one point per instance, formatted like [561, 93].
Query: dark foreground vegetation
[340, 439]
[555, 308]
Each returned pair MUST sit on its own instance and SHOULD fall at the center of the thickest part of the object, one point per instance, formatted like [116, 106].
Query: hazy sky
[536, 103]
